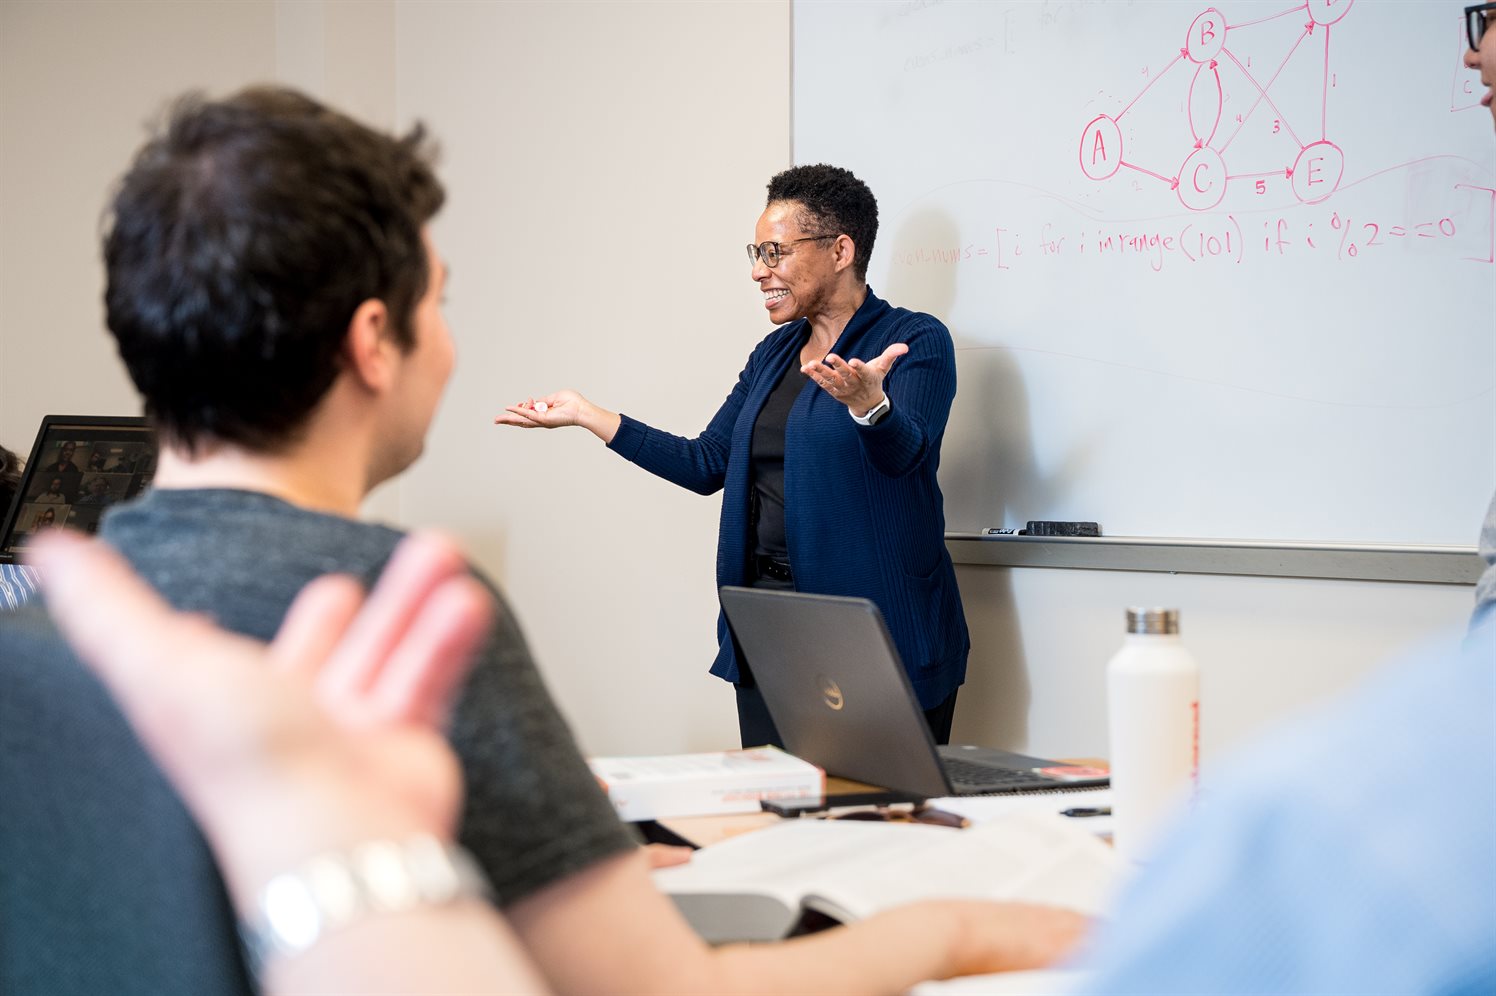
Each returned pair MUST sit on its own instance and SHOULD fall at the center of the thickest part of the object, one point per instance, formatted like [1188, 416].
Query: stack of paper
[734, 781]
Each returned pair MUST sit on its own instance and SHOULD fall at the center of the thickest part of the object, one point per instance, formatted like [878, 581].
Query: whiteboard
[1211, 271]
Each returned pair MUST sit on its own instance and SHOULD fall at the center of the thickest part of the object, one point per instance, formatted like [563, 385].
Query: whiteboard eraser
[1043, 528]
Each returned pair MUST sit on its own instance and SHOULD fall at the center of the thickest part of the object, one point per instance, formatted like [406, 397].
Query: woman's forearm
[601, 422]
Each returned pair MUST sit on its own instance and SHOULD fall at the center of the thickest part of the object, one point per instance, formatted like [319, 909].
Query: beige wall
[605, 164]
[78, 82]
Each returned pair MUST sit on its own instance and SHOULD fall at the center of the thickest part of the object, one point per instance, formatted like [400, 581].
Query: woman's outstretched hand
[855, 383]
[551, 411]
[558, 409]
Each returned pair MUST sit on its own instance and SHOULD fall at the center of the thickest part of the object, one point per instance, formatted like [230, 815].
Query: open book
[754, 887]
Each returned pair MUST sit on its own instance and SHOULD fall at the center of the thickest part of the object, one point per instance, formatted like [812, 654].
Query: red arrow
[1199, 142]
[1213, 63]
[1310, 27]
[1174, 183]
[1288, 173]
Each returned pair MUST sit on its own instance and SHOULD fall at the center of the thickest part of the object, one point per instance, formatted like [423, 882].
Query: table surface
[704, 831]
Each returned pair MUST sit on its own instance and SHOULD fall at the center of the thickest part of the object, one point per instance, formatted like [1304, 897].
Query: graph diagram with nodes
[1202, 176]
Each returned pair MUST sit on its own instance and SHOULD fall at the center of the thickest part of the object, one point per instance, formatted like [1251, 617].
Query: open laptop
[79, 466]
[833, 682]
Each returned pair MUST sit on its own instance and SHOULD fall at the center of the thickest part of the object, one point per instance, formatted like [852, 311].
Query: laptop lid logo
[831, 693]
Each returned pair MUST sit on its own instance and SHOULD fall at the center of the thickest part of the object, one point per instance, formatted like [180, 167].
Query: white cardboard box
[734, 781]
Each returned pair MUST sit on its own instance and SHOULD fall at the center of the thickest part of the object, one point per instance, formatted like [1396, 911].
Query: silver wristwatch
[875, 414]
[335, 889]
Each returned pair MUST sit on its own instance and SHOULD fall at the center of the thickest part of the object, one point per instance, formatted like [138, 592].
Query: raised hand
[855, 383]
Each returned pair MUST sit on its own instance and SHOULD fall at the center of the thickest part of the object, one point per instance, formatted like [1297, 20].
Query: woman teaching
[826, 449]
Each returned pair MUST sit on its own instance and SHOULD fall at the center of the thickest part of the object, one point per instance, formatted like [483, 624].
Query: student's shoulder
[363, 548]
[223, 526]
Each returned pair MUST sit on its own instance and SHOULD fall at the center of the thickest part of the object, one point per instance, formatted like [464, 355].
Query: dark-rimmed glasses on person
[772, 252]
[1478, 17]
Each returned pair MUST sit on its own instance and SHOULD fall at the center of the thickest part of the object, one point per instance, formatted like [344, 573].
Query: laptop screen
[833, 682]
[840, 698]
[78, 467]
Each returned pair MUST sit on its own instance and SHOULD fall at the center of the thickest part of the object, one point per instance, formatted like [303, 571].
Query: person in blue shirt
[826, 450]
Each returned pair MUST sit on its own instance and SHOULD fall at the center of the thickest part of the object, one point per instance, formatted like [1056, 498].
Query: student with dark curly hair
[826, 449]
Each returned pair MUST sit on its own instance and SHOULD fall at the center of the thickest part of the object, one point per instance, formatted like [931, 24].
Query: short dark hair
[243, 238]
[836, 202]
[10, 478]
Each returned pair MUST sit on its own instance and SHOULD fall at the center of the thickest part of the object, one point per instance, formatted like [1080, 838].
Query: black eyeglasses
[772, 252]
[1478, 18]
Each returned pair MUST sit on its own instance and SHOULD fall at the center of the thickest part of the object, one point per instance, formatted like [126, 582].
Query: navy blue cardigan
[863, 512]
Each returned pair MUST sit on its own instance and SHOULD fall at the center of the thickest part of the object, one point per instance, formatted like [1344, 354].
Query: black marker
[1088, 811]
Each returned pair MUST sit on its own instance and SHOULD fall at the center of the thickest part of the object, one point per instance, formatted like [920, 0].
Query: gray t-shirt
[533, 813]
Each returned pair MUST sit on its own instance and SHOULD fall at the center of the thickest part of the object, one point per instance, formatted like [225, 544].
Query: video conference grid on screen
[78, 471]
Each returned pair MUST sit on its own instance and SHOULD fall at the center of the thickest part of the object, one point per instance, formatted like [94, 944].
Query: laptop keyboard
[970, 774]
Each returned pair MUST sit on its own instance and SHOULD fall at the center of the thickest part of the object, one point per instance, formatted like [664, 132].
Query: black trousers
[756, 727]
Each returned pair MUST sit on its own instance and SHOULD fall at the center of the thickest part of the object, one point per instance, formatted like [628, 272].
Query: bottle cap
[1153, 621]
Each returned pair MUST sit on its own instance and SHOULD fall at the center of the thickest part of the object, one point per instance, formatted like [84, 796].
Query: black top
[767, 453]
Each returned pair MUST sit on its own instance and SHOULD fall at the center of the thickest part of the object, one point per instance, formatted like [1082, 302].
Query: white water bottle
[1153, 715]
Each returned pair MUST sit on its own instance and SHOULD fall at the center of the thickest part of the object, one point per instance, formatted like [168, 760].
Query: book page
[849, 870]
[793, 856]
[750, 887]
[1027, 856]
